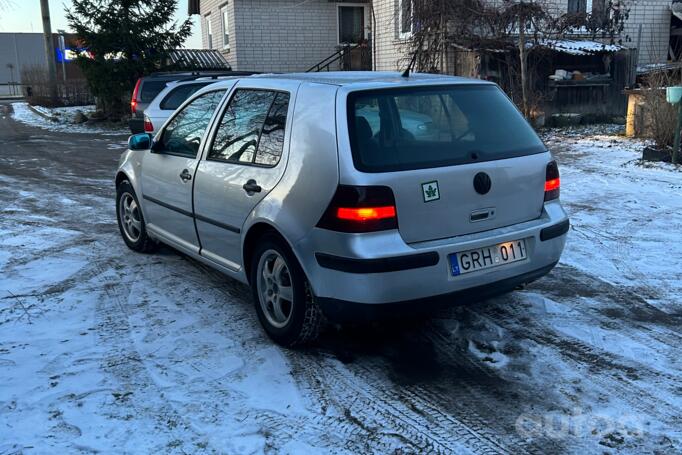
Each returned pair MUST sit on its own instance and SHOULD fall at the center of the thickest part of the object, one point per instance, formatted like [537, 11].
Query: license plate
[487, 257]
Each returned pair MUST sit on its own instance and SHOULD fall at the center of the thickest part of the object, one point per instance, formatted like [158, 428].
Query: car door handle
[185, 175]
[252, 187]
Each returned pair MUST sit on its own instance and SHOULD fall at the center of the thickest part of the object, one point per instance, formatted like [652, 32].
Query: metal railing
[344, 58]
[11, 89]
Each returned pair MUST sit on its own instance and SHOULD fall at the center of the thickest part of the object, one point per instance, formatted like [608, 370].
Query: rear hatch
[148, 90]
[460, 159]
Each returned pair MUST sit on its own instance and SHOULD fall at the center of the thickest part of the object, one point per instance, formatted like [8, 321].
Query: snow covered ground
[64, 119]
[105, 350]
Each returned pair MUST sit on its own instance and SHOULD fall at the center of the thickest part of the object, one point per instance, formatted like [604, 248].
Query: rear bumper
[136, 125]
[345, 311]
[380, 268]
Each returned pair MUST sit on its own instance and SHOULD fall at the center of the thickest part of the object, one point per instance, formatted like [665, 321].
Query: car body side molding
[227, 227]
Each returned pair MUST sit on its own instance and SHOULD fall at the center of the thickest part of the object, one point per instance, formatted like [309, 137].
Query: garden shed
[565, 76]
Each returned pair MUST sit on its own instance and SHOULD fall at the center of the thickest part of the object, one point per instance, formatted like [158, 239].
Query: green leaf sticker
[430, 191]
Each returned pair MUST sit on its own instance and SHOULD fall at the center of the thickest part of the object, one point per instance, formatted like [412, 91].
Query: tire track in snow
[436, 422]
[597, 360]
[645, 322]
[123, 362]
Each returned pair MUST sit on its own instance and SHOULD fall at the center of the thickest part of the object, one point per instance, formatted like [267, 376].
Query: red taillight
[148, 126]
[551, 185]
[360, 209]
[365, 213]
[133, 99]
[552, 181]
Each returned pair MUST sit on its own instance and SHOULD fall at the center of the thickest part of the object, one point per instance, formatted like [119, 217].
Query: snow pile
[624, 212]
[64, 116]
[575, 47]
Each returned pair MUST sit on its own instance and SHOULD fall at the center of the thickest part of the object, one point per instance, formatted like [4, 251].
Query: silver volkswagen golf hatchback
[348, 195]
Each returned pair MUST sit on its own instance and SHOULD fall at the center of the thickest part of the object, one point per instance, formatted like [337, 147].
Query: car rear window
[423, 127]
[178, 95]
[150, 89]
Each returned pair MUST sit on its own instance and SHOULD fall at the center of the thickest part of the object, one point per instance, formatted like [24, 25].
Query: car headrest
[364, 130]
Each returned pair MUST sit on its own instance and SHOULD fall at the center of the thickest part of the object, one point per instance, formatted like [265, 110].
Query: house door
[351, 24]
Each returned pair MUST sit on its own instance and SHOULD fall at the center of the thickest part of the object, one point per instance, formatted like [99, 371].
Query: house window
[225, 22]
[209, 31]
[599, 9]
[351, 24]
[577, 6]
[406, 16]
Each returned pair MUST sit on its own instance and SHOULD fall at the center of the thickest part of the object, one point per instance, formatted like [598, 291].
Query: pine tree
[124, 39]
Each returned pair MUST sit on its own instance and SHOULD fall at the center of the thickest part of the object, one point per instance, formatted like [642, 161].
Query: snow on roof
[199, 59]
[658, 67]
[575, 47]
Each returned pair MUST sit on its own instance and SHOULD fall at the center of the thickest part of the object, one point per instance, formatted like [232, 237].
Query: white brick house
[281, 35]
[293, 35]
[655, 17]
[392, 29]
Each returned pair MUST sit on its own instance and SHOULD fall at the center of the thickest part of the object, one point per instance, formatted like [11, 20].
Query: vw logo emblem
[482, 183]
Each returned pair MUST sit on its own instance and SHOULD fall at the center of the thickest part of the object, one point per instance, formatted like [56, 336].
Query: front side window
[423, 127]
[251, 130]
[183, 134]
[209, 31]
[225, 26]
[351, 24]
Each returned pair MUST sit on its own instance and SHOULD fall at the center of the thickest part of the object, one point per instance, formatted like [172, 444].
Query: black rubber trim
[168, 206]
[344, 311]
[382, 265]
[136, 125]
[227, 227]
[555, 231]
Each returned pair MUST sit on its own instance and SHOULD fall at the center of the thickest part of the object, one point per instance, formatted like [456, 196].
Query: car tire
[131, 221]
[283, 284]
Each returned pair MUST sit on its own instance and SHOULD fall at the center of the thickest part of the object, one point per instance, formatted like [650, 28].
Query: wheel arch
[255, 232]
[121, 176]
[127, 172]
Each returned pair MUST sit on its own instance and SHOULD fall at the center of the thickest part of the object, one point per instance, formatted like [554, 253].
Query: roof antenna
[406, 73]
[419, 47]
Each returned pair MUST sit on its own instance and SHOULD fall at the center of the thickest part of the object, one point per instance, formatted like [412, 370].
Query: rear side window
[150, 89]
[423, 127]
[178, 95]
[272, 139]
[251, 130]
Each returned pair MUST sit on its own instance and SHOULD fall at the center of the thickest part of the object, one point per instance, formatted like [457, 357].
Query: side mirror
[140, 141]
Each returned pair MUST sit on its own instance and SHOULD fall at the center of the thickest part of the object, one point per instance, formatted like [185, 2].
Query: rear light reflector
[133, 99]
[148, 126]
[360, 209]
[552, 181]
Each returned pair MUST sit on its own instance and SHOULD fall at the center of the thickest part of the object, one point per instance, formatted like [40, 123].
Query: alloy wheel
[275, 290]
[131, 219]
